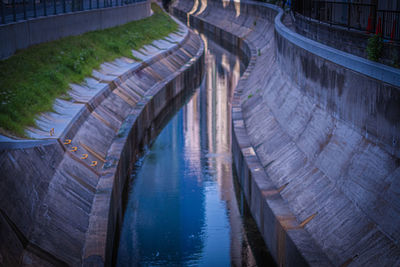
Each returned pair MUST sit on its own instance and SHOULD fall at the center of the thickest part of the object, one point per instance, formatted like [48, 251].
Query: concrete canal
[183, 206]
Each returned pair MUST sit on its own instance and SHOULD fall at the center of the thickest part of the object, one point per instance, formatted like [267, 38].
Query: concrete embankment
[61, 198]
[315, 139]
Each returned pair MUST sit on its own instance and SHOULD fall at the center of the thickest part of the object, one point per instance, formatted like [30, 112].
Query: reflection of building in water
[223, 73]
[183, 208]
[165, 218]
[191, 131]
[191, 194]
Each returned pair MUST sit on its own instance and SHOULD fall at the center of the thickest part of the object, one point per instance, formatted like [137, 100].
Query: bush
[375, 47]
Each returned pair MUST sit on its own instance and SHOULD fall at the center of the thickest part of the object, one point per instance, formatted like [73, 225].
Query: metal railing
[16, 10]
[390, 25]
[364, 17]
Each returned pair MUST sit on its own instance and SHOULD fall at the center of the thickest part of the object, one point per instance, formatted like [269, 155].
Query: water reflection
[182, 208]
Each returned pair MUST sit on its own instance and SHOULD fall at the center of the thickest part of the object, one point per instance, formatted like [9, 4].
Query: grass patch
[31, 79]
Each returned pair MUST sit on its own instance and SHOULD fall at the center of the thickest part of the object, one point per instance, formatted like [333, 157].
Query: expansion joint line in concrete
[94, 153]
[124, 96]
[105, 122]
[78, 159]
[83, 163]
[29, 246]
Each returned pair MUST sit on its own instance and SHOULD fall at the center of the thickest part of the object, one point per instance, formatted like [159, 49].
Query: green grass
[31, 79]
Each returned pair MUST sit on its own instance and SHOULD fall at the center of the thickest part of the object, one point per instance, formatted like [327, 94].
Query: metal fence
[16, 10]
[390, 25]
[364, 17]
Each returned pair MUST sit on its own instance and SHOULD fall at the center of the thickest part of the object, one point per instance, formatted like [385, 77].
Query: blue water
[182, 208]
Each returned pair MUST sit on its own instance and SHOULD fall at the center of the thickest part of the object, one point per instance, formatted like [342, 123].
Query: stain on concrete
[318, 147]
[58, 194]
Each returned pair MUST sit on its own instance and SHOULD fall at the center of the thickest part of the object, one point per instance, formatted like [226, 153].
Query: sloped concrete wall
[364, 94]
[57, 208]
[20, 35]
[138, 129]
[321, 188]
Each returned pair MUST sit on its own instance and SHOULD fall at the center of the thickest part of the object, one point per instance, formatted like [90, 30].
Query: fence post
[383, 25]
[375, 15]
[348, 15]
[393, 30]
[3, 19]
[45, 7]
[24, 6]
[34, 9]
[14, 14]
[55, 7]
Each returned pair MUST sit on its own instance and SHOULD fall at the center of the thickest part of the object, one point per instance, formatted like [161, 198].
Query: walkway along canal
[183, 207]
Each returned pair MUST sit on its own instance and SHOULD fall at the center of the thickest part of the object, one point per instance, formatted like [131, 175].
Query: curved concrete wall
[363, 93]
[321, 189]
[20, 35]
[138, 130]
[56, 209]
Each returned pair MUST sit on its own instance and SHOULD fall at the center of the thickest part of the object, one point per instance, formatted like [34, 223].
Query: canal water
[184, 208]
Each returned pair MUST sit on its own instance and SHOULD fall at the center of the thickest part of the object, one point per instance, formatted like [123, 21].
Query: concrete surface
[61, 200]
[22, 34]
[322, 188]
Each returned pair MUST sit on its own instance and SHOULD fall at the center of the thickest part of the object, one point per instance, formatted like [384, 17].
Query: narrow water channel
[184, 208]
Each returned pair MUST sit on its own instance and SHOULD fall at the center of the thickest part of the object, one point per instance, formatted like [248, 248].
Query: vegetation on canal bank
[33, 78]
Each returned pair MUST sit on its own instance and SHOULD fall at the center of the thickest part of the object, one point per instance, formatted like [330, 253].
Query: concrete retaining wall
[57, 209]
[321, 189]
[346, 87]
[20, 35]
[138, 130]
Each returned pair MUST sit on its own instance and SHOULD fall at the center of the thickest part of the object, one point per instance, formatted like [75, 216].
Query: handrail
[372, 69]
[364, 17]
